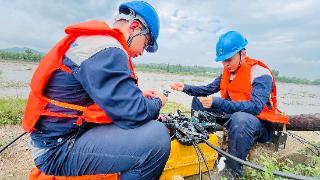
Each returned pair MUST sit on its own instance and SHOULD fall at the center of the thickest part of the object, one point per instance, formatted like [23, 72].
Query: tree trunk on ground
[302, 122]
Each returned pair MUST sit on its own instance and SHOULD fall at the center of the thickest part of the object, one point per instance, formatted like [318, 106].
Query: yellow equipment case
[183, 159]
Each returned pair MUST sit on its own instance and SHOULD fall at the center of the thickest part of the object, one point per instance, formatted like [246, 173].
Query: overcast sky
[285, 34]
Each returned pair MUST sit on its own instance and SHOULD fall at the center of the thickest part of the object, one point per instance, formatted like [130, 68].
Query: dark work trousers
[139, 153]
[243, 130]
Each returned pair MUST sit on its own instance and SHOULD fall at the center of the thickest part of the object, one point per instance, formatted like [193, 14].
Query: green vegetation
[172, 107]
[312, 168]
[294, 80]
[179, 69]
[28, 55]
[297, 80]
[11, 110]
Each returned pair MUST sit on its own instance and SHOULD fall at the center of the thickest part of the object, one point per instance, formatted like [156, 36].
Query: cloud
[278, 31]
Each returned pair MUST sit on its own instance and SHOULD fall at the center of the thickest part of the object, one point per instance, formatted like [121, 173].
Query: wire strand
[199, 160]
[4, 148]
[205, 161]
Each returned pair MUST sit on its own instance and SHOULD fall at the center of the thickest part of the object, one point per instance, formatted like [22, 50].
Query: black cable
[205, 161]
[254, 166]
[304, 141]
[199, 161]
[306, 145]
[12, 142]
[181, 120]
[316, 132]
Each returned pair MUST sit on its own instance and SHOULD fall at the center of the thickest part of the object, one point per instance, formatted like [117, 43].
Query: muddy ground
[15, 163]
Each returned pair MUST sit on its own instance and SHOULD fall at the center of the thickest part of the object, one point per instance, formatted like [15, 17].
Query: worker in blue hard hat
[85, 113]
[248, 95]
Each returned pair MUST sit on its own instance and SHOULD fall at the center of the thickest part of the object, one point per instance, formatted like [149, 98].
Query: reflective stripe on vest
[36, 104]
[239, 89]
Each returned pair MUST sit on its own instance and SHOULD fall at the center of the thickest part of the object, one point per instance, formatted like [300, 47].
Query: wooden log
[302, 122]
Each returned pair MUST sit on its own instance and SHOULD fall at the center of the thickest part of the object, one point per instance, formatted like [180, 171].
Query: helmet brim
[229, 55]
[225, 57]
[152, 48]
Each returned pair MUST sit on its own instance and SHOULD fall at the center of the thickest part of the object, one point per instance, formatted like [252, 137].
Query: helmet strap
[130, 38]
[240, 62]
[131, 17]
[129, 41]
[240, 53]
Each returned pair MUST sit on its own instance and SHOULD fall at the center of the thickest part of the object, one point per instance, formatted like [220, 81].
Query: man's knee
[158, 137]
[242, 120]
[196, 104]
[155, 151]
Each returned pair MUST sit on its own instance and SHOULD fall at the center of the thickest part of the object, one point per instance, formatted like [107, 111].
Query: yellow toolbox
[183, 160]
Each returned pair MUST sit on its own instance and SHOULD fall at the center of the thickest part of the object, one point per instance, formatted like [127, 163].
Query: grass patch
[11, 110]
[172, 107]
[312, 168]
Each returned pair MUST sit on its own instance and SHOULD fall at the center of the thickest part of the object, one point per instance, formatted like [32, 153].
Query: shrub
[11, 110]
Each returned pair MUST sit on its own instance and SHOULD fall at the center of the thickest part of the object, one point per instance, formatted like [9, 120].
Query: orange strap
[65, 105]
[55, 114]
[62, 115]
[68, 106]
[65, 69]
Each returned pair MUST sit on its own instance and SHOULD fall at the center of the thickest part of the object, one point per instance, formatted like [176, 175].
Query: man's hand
[149, 93]
[178, 86]
[162, 97]
[206, 101]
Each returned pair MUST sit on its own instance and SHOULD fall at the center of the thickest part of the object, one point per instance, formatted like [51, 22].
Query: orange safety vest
[36, 174]
[239, 89]
[37, 102]
[36, 105]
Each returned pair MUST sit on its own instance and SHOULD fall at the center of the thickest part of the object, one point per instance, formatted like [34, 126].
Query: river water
[292, 98]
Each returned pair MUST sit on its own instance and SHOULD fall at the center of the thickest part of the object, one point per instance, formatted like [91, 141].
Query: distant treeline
[179, 69]
[294, 80]
[27, 55]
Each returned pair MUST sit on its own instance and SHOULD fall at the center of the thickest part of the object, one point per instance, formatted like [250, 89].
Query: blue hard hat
[148, 13]
[229, 44]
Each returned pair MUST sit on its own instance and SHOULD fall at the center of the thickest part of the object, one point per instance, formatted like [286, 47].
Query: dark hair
[241, 51]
